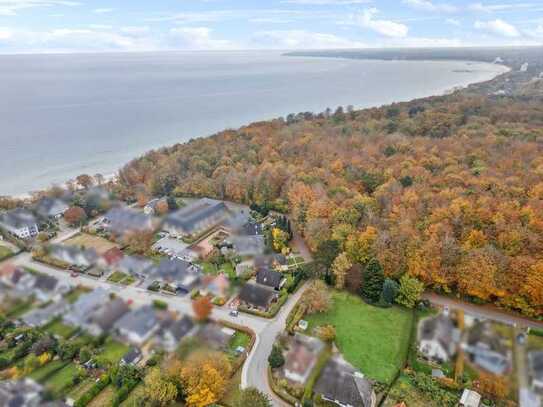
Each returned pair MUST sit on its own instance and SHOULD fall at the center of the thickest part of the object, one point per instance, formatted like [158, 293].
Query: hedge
[315, 373]
[280, 392]
[295, 315]
[96, 388]
[123, 393]
[272, 312]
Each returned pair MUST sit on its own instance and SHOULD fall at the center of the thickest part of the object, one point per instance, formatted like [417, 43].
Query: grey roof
[536, 364]
[20, 393]
[191, 215]
[18, 218]
[73, 253]
[256, 295]
[248, 244]
[340, 382]
[439, 328]
[134, 264]
[140, 321]
[48, 207]
[106, 316]
[131, 356]
[40, 316]
[180, 327]
[215, 335]
[85, 305]
[269, 278]
[122, 220]
[45, 282]
[177, 271]
[252, 229]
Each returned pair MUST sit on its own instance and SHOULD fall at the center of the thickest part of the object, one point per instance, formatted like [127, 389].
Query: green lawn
[239, 339]
[62, 381]
[128, 280]
[104, 398]
[375, 340]
[57, 328]
[19, 308]
[41, 373]
[112, 352]
[4, 252]
[80, 389]
[117, 277]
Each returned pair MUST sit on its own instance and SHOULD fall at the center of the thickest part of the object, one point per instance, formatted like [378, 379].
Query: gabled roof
[113, 255]
[339, 381]
[139, 321]
[18, 218]
[180, 328]
[177, 271]
[134, 264]
[106, 316]
[123, 220]
[48, 207]
[188, 217]
[256, 295]
[269, 278]
[131, 356]
[45, 282]
[439, 328]
[302, 354]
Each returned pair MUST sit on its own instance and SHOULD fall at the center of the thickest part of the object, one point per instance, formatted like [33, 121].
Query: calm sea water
[63, 115]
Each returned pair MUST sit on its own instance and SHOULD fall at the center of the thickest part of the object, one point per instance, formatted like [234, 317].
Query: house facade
[20, 223]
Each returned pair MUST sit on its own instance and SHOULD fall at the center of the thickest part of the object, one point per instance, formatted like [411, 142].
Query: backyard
[112, 352]
[4, 252]
[97, 243]
[375, 340]
[57, 328]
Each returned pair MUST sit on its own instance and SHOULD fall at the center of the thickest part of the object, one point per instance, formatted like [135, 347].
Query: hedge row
[272, 312]
[96, 388]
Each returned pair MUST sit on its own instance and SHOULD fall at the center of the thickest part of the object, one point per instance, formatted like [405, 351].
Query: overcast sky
[138, 25]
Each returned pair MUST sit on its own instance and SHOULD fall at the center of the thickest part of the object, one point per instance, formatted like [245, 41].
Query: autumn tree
[85, 181]
[410, 291]
[316, 298]
[372, 281]
[159, 389]
[340, 267]
[327, 333]
[75, 215]
[202, 308]
[252, 397]
[139, 242]
[359, 246]
[533, 286]
[205, 377]
[492, 386]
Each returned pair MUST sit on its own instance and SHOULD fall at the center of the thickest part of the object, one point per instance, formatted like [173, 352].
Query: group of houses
[338, 382]
[439, 340]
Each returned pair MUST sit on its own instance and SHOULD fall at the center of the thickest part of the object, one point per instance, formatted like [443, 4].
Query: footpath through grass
[375, 340]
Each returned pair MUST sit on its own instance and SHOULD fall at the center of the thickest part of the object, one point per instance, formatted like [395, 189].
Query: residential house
[150, 207]
[85, 306]
[341, 384]
[81, 258]
[178, 274]
[247, 245]
[245, 267]
[486, 349]
[138, 325]
[438, 338]
[19, 281]
[41, 316]
[535, 362]
[132, 357]
[51, 208]
[215, 335]
[470, 398]
[134, 265]
[302, 355]
[270, 278]
[216, 286]
[20, 222]
[112, 257]
[21, 393]
[121, 221]
[257, 296]
[48, 288]
[104, 317]
[196, 218]
[173, 331]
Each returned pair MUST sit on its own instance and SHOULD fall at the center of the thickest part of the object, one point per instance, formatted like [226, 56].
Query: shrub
[276, 358]
[161, 305]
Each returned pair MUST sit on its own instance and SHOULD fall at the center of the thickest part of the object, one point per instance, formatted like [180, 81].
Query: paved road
[484, 311]
[254, 373]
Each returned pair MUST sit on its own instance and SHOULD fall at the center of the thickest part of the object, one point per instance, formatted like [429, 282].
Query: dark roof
[131, 356]
[188, 217]
[181, 327]
[256, 295]
[140, 320]
[106, 316]
[18, 218]
[177, 271]
[439, 328]
[339, 381]
[251, 229]
[269, 277]
[45, 282]
[536, 363]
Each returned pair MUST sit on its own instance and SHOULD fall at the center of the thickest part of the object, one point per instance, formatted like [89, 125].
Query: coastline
[111, 175]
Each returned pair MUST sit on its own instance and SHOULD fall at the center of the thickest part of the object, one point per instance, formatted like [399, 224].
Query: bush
[160, 305]
[276, 358]
[96, 388]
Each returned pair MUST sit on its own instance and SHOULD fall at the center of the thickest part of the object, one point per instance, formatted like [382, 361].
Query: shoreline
[111, 175]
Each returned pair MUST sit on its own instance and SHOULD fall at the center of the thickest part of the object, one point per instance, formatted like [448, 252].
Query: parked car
[234, 313]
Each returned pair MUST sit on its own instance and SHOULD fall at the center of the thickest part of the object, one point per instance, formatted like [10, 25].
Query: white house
[20, 223]
[438, 338]
[470, 398]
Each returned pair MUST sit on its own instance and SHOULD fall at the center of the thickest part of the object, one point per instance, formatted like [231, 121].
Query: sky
[52, 26]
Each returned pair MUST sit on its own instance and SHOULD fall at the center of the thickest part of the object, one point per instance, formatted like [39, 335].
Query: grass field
[97, 243]
[57, 328]
[4, 252]
[112, 352]
[117, 277]
[375, 340]
[104, 398]
[41, 373]
[62, 381]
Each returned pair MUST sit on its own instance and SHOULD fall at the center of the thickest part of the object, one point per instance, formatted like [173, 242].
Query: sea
[67, 114]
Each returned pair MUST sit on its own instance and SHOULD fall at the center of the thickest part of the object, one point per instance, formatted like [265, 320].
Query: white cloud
[300, 39]
[453, 21]
[135, 30]
[12, 7]
[198, 38]
[326, 2]
[492, 8]
[383, 27]
[498, 27]
[427, 5]
[537, 32]
[4, 34]
[103, 10]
